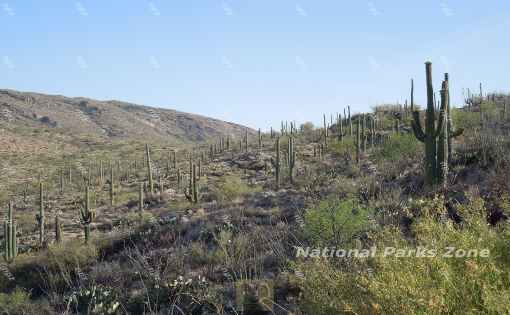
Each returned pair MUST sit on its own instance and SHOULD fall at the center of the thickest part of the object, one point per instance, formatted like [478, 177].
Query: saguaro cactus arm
[417, 127]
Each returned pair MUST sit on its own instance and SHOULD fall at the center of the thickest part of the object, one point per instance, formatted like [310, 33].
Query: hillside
[360, 216]
[22, 112]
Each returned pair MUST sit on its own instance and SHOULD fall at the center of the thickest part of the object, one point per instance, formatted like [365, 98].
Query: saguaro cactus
[443, 140]
[260, 139]
[452, 132]
[325, 127]
[58, 229]
[112, 188]
[87, 215]
[149, 169]
[363, 133]
[340, 128]
[192, 192]
[432, 132]
[277, 163]
[140, 200]
[358, 142]
[292, 158]
[179, 176]
[61, 181]
[40, 216]
[10, 238]
[350, 120]
[246, 140]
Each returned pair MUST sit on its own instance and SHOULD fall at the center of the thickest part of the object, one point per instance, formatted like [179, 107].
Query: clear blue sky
[252, 62]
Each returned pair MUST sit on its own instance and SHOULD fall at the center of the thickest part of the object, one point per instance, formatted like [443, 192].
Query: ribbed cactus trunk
[10, 237]
[363, 134]
[260, 139]
[149, 169]
[443, 140]
[325, 127]
[87, 215]
[433, 175]
[101, 173]
[140, 201]
[350, 120]
[58, 229]
[112, 188]
[430, 131]
[358, 144]
[61, 181]
[277, 163]
[292, 159]
[179, 179]
[340, 128]
[246, 140]
[194, 184]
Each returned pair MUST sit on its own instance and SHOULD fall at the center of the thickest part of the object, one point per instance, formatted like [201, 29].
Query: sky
[253, 62]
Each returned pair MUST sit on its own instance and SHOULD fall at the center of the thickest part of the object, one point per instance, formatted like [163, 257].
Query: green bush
[466, 119]
[231, 189]
[419, 285]
[15, 302]
[336, 222]
[398, 147]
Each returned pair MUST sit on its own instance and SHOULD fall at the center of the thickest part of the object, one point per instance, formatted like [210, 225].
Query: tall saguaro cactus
[87, 215]
[292, 158]
[358, 142]
[192, 192]
[432, 132]
[149, 169]
[349, 120]
[112, 188]
[58, 229]
[260, 139]
[277, 163]
[452, 132]
[10, 238]
[40, 216]
[140, 201]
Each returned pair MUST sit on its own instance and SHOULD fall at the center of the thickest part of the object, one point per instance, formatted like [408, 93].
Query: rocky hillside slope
[106, 120]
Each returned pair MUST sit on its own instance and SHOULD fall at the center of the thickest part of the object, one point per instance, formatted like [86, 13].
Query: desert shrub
[412, 284]
[465, 119]
[15, 302]
[398, 147]
[347, 146]
[231, 189]
[336, 222]
[199, 255]
[55, 268]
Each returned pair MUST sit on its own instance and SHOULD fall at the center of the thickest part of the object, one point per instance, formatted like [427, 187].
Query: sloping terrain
[108, 120]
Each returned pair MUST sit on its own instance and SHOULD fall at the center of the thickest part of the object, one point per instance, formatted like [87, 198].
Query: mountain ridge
[110, 119]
